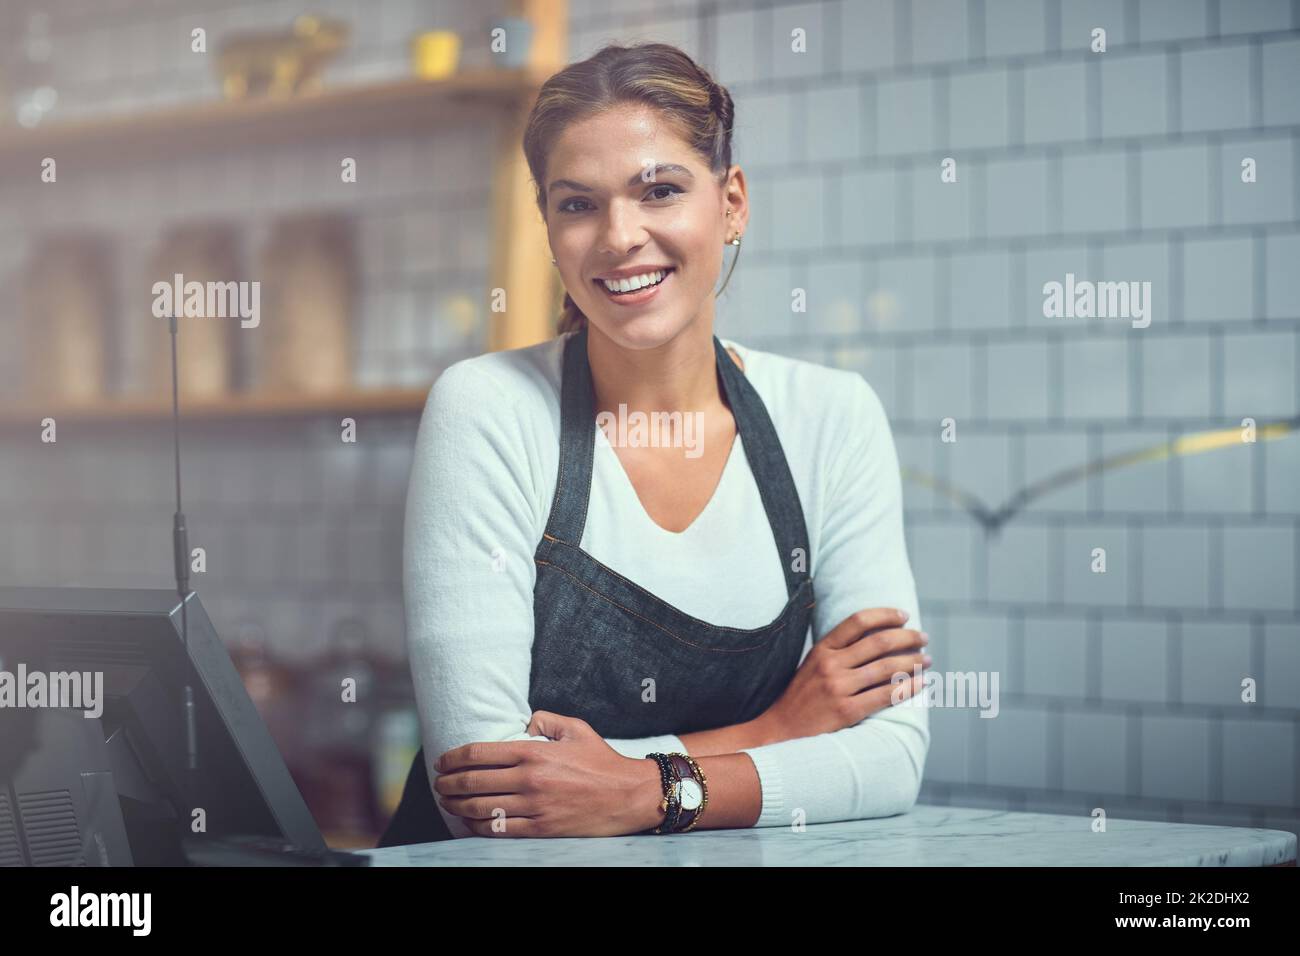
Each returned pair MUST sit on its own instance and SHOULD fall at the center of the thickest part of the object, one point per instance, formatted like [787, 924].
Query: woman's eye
[654, 193]
[664, 186]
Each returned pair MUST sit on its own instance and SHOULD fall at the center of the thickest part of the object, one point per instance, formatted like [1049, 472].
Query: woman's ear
[736, 198]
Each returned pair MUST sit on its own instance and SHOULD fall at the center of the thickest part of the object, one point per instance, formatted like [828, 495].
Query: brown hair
[653, 73]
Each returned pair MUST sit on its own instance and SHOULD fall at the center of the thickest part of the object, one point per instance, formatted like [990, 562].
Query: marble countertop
[925, 836]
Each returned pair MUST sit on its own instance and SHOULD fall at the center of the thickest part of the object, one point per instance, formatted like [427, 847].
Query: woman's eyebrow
[636, 178]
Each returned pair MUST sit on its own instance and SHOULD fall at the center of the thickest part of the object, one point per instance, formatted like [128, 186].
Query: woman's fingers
[855, 625]
[897, 693]
[882, 670]
[511, 827]
[882, 643]
[479, 807]
[878, 698]
[478, 781]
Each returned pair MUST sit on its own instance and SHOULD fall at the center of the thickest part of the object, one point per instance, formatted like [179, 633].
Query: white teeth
[634, 282]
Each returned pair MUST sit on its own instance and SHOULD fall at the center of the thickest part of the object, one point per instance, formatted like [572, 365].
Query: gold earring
[734, 240]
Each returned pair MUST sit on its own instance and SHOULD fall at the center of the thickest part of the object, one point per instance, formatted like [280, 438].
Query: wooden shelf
[388, 401]
[395, 105]
[520, 258]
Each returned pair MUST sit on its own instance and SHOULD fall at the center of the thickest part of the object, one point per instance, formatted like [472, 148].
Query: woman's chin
[641, 332]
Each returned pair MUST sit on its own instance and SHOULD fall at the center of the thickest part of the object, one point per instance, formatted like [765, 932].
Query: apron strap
[577, 444]
[771, 470]
[762, 450]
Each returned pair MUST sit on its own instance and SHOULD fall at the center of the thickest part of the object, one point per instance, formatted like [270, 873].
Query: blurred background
[1121, 690]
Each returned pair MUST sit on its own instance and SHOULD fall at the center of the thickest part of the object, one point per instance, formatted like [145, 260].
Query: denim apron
[617, 656]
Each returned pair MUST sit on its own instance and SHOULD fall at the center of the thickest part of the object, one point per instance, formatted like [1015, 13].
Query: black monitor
[115, 789]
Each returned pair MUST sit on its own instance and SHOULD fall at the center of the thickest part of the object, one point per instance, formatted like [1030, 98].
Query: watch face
[690, 794]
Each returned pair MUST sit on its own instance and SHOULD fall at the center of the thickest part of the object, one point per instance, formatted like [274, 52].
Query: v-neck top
[605, 451]
[481, 487]
[620, 534]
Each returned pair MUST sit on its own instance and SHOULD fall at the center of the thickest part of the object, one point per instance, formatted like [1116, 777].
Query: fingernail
[901, 613]
[926, 658]
[925, 638]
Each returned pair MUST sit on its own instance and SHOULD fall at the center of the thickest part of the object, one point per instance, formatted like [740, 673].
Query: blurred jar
[202, 253]
[305, 344]
[68, 297]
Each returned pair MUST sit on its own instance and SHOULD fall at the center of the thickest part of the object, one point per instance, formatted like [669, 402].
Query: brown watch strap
[684, 771]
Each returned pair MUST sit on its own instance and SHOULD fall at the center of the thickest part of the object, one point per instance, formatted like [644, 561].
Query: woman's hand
[830, 691]
[573, 785]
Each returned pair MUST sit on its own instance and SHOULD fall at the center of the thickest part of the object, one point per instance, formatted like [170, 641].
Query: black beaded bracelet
[674, 807]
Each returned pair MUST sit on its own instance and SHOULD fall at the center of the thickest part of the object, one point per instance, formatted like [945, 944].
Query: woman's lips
[640, 295]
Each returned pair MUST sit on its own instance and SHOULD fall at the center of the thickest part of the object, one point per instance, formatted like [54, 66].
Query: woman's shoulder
[828, 419]
[800, 390]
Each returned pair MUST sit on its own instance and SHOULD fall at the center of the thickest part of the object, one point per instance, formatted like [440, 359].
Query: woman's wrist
[644, 799]
[765, 729]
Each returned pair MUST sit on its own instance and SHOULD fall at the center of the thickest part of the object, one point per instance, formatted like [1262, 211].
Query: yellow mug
[434, 55]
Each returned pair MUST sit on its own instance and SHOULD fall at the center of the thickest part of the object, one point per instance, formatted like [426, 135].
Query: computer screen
[94, 760]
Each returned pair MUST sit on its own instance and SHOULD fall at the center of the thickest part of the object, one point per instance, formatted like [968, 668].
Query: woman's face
[625, 191]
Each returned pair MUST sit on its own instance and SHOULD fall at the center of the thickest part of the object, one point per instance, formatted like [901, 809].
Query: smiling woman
[578, 603]
[674, 125]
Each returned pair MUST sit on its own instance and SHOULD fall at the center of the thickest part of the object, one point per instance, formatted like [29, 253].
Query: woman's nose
[623, 231]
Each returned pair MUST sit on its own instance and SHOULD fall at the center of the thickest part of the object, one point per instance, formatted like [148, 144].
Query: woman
[582, 597]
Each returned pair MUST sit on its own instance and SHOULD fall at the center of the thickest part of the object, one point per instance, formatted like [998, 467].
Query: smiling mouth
[639, 291]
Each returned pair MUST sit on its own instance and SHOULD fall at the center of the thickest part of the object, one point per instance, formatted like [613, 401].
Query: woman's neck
[680, 375]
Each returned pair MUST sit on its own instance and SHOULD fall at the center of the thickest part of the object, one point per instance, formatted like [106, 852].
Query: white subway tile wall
[1122, 689]
[922, 170]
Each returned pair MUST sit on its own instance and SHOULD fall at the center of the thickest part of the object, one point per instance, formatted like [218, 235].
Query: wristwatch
[686, 792]
[689, 791]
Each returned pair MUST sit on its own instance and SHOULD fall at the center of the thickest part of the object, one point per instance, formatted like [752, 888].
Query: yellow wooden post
[521, 258]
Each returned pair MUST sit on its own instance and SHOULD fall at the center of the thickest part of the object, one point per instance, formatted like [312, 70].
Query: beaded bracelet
[670, 805]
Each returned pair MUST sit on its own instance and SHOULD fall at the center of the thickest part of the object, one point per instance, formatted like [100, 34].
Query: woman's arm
[467, 567]
[577, 785]
[874, 767]
[720, 740]
[471, 528]
[735, 794]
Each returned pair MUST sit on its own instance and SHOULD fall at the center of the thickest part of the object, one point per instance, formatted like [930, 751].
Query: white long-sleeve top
[480, 492]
